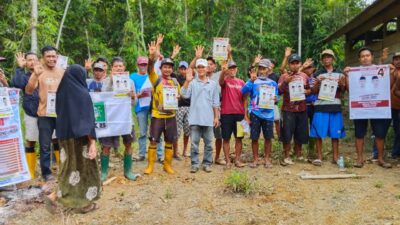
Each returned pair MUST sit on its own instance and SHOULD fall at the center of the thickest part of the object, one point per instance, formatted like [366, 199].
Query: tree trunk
[186, 18]
[62, 24]
[34, 18]
[142, 25]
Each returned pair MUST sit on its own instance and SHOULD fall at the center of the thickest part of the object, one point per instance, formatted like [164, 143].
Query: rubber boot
[104, 161]
[151, 158]
[57, 156]
[168, 154]
[31, 160]
[128, 168]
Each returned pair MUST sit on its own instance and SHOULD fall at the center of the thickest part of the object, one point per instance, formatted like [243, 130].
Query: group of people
[212, 105]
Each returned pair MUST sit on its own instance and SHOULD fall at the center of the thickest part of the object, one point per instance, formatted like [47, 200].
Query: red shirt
[297, 106]
[232, 96]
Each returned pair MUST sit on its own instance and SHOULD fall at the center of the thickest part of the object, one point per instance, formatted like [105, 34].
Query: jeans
[396, 128]
[143, 121]
[207, 134]
[46, 126]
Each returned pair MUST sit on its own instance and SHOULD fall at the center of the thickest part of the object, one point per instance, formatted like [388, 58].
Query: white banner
[369, 92]
[13, 166]
[113, 114]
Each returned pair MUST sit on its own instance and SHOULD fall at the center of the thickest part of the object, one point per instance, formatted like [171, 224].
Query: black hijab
[74, 107]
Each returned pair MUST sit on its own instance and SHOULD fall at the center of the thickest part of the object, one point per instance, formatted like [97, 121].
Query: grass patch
[169, 194]
[379, 184]
[240, 182]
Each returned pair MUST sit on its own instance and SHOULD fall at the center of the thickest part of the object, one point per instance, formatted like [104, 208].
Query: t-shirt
[215, 77]
[47, 83]
[98, 86]
[253, 88]
[395, 101]
[181, 80]
[310, 99]
[295, 106]
[274, 77]
[157, 110]
[328, 106]
[232, 96]
[142, 84]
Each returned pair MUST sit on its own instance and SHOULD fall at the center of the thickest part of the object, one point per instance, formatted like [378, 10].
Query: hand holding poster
[5, 105]
[62, 62]
[369, 92]
[266, 98]
[296, 90]
[170, 98]
[13, 166]
[121, 82]
[220, 48]
[328, 86]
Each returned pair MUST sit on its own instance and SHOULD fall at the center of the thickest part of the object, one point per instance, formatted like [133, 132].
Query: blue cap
[184, 64]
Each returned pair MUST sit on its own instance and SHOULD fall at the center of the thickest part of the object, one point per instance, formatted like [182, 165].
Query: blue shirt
[311, 98]
[142, 83]
[30, 103]
[253, 88]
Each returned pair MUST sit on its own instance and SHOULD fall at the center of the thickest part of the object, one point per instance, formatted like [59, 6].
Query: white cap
[201, 62]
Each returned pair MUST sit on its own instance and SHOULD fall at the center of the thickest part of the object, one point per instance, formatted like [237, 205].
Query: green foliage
[240, 182]
[113, 27]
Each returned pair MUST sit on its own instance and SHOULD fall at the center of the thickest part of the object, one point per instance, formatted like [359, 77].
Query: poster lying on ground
[13, 165]
[220, 48]
[369, 92]
[113, 114]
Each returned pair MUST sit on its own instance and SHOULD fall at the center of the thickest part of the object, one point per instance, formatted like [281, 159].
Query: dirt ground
[203, 198]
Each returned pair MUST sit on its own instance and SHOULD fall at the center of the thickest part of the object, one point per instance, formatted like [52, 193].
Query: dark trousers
[46, 125]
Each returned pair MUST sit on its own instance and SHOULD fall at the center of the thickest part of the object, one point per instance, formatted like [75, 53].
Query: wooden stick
[331, 176]
[109, 181]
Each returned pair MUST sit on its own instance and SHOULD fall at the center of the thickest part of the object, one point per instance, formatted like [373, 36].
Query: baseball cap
[201, 62]
[294, 57]
[265, 63]
[167, 61]
[328, 52]
[396, 54]
[231, 64]
[142, 60]
[183, 64]
[98, 66]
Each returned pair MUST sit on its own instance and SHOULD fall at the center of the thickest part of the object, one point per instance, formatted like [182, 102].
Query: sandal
[51, 206]
[228, 166]
[239, 164]
[86, 209]
[358, 164]
[253, 165]
[268, 165]
[385, 165]
[317, 162]
[221, 162]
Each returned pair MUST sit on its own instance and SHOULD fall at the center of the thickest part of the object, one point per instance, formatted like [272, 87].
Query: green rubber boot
[128, 167]
[104, 160]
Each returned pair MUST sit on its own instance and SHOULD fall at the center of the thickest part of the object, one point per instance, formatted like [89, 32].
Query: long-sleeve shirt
[253, 88]
[30, 103]
[205, 98]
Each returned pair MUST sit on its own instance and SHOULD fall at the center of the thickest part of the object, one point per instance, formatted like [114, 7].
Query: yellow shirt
[157, 95]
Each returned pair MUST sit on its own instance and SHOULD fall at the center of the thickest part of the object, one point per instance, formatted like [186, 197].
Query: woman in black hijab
[79, 180]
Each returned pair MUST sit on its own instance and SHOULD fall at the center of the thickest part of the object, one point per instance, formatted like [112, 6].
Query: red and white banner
[369, 92]
[13, 166]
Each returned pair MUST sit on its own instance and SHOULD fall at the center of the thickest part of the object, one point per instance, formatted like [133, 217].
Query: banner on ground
[113, 114]
[369, 92]
[13, 165]
[220, 48]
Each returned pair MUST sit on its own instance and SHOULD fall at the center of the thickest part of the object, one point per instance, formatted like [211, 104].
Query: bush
[240, 182]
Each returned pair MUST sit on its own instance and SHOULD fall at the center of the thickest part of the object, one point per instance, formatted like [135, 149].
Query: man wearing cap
[379, 126]
[143, 89]
[261, 114]
[182, 114]
[232, 110]
[294, 113]
[204, 115]
[29, 104]
[100, 82]
[117, 66]
[328, 119]
[163, 120]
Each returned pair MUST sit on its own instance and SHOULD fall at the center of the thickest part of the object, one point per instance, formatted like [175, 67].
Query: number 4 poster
[369, 92]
